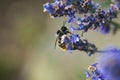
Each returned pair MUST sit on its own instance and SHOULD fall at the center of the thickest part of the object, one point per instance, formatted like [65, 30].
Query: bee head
[63, 28]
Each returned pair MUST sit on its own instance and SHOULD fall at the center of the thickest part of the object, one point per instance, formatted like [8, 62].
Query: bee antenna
[64, 22]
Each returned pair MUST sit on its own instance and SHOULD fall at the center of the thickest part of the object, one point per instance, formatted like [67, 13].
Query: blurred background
[27, 37]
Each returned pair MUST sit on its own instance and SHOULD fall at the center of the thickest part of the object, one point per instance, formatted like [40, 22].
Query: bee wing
[55, 42]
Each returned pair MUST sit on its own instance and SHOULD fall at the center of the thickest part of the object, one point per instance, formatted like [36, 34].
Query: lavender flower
[94, 16]
[111, 66]
[60, 8]
[93, 73]
[107, 67]
[48, 7]
[100, 19]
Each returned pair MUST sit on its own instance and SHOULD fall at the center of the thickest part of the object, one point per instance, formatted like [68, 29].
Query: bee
[61, 36]
[70, 41]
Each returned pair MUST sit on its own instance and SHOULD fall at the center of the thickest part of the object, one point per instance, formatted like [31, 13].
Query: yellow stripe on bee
[64, 49]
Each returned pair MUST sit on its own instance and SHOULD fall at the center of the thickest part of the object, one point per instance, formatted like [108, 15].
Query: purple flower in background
[107, 67]
[93, 73]
[109, 63]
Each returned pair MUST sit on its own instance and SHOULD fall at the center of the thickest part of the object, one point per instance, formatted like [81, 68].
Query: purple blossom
[69, 8]
[48, 7]
[98, 18]
[81, 27]
[107, 67]
[93, 73]
[104, 28]
[75, 38]
[111, 66]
